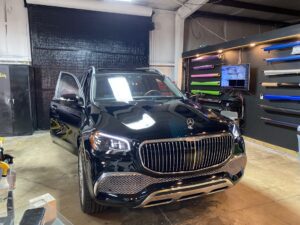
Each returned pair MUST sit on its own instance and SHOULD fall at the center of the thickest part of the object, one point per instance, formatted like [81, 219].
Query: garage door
[73, 40]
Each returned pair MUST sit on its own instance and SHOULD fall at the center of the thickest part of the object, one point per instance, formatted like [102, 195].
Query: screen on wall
[235, 76]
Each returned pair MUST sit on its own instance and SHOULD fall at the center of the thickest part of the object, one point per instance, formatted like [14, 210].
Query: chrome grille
[186, 154]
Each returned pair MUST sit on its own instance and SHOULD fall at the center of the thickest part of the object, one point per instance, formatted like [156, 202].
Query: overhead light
[220, 50]
[121, 89]
[252, 44]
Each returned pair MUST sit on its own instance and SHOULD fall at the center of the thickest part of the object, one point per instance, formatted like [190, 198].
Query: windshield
[128, 87]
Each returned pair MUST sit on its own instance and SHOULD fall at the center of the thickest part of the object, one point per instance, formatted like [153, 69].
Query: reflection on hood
[145, 122]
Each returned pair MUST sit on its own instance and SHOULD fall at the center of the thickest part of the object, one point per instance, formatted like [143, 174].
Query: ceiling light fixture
[252, 44]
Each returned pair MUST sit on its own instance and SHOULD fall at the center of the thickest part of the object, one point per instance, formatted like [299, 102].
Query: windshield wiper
[153, 98]
[168, 97]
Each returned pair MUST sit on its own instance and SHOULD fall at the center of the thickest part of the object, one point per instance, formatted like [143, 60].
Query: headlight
[108, 143]
[235, 131]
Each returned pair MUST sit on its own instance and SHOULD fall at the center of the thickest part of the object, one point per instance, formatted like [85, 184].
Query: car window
[86, 88]
[131, 87]
[163, 88]
[66, 85]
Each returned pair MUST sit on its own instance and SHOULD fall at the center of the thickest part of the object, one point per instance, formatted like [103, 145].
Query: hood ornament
[190, 123]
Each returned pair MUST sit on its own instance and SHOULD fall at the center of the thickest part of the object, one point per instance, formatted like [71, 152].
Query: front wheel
[88, 204]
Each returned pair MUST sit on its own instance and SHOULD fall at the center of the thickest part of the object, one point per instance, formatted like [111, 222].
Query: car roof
[146, 71]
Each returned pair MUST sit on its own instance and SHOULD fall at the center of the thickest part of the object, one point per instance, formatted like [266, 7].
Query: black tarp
[73, 40]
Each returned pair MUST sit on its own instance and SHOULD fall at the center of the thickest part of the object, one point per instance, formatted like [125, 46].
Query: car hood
[157, 120]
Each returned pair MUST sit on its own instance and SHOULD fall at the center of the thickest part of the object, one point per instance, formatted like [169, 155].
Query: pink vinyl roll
[204, 67]
[208, 75]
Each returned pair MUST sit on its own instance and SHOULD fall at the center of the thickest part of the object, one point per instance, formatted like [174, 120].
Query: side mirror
[188, 94]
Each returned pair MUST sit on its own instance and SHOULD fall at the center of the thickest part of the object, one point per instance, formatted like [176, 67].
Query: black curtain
[73, 40]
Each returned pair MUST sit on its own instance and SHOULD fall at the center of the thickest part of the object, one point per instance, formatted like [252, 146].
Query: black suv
[140, 141]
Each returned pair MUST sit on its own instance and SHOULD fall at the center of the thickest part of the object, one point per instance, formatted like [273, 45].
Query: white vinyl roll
[281, 72]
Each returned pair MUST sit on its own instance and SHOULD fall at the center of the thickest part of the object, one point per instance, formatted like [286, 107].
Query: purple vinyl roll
[204, 67]
[206, 58]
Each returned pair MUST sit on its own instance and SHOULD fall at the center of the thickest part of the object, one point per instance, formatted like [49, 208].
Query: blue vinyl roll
[281, 97]
[284, 59]
[282, 46]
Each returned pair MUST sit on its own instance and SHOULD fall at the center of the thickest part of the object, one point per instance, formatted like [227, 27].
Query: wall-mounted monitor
[235, 77]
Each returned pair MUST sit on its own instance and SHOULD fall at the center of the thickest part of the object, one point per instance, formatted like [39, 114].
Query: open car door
[65, 111]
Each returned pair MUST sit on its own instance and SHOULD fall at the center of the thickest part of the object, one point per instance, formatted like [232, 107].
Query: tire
[88, 204]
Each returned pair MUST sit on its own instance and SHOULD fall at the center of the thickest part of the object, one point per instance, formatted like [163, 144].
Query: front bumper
[139, 190]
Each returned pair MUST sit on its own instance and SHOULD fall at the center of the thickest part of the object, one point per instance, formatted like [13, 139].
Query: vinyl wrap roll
[208, 92]
[280, 123]
[208, 75]
[280, 110]
[281, 46]
[281, 97]
[276, 84]
[284, 59]
[281, 72]
[207, 83]
[204, 67]
[206, 58]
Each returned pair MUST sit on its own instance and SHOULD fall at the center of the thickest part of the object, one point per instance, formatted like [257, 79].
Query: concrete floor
[268, 194]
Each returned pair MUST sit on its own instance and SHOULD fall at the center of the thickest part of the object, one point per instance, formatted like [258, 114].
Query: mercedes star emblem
[190, 122]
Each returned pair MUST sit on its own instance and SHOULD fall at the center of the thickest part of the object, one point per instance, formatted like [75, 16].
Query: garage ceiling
[285, 11]
[226, 7]
[171, 5]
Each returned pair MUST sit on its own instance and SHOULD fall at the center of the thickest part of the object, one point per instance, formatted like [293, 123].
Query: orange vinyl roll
[264, 84]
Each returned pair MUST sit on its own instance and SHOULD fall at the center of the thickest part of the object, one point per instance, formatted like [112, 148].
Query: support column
[182, 13]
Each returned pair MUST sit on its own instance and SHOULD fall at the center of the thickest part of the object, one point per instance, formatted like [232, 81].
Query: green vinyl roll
[208, 92]
[207, 83]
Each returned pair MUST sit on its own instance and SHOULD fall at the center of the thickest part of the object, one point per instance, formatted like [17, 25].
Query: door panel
[21, 104]
[5, 102]
[65, 115]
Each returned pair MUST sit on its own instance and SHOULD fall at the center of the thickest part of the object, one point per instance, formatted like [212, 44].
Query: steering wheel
[151, 92]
